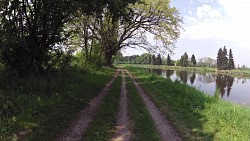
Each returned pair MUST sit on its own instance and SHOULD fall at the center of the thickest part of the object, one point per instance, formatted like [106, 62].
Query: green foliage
[184, 60]
[169, 61]
[153, 62]
[158, 60]
[43, 106]
[223, 62]
[193, 60]
[224, 58]
[30, 30]
[219, 59]
[231, 61]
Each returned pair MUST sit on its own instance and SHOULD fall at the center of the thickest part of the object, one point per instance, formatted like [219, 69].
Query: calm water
[236, 90]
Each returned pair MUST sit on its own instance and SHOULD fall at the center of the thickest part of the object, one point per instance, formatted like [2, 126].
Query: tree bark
[108, 59]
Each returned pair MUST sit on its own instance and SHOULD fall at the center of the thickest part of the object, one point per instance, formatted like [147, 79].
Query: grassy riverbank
[38, 108]
[235, 72]
[196, 115]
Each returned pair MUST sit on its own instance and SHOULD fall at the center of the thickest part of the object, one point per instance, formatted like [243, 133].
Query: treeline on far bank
[151, 59]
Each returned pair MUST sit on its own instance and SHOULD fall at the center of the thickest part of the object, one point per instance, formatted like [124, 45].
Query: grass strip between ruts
[142, 126]
[103, 125]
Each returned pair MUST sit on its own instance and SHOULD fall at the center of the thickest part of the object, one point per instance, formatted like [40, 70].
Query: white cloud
[206, 11]
[209, 22]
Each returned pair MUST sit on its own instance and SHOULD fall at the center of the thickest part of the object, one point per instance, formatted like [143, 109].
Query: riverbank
[236, 72]
[197, 116]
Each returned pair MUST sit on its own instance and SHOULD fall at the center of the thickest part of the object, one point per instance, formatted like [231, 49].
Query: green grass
[103, 125]
[44, 106]
[196, 115]
[142, 126]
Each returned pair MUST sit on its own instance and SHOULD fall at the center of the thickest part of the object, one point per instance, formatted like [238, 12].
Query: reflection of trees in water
[230, 81]
[192, 78]
[169, 73]
[155, 71]
[158, 71]
[205, 78]
[224, 81]
[183, 75]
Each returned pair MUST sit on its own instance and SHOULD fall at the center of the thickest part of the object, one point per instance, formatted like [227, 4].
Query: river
[233, 89]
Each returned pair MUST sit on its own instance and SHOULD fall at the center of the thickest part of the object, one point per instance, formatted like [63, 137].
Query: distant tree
[206, 62]
[184, 60]
[149, 59]
[225, 59]
[220, 59]
[158, 60]
[231, 61]
[143, 59]
[153, 61]
[193, 60]
[181, 61]
[168, 60]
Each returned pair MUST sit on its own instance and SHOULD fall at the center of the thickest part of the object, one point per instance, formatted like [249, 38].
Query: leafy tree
[169, 60]
[153, 60]
[149, 59]
[231, 61]
[206, 62]
[225, 59]
[193, 60]
[223, 62]
[184, 60]
[31, 33]
[149, 17]
[220, 59]
[158, 60]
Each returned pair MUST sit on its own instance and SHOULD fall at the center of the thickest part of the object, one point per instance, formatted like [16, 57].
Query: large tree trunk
[108, 59]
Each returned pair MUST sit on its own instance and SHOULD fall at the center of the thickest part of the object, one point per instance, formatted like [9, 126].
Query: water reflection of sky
[232, 89]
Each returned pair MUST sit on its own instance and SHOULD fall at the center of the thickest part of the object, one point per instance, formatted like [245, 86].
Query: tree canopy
[34, 35]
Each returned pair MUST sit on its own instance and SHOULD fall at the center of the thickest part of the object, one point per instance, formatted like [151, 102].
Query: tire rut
[165, 130]
[80, 124]
[122, 128]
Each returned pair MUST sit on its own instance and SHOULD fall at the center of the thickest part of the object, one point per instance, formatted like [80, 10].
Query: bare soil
[122, 128]
[82, 120]
[165, 130]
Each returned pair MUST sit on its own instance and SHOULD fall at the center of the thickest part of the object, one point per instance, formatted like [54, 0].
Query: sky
[209, 25]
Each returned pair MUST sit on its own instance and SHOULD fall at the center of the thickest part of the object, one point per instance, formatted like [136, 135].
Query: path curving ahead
[122, 128]
[80, 124]
[165, 130]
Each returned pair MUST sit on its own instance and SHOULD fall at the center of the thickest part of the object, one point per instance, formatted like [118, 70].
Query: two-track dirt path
[80, 124]
[122, 128]
[165, 130]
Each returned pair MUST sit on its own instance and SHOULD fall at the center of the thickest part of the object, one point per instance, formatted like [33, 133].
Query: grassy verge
[38, 108]
[142, 125]
[196, 115]
[102, 127]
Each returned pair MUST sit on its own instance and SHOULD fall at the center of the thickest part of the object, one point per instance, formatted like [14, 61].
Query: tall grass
[38, 108]
[197, 116]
